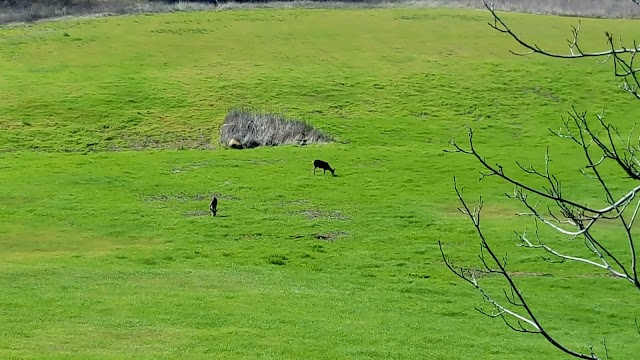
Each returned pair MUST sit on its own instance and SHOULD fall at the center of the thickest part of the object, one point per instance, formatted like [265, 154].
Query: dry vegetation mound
[248, 129]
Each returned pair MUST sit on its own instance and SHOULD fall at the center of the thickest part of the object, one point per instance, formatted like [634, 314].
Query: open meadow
[109, 155]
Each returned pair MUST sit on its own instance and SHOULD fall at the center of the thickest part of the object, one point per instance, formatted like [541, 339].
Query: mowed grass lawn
[109, 138]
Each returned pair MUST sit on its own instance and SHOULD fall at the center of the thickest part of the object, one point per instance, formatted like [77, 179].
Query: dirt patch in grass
[199, 142]
[528, 274]
[264, 161]
[313, 214]
[488, 210]
[195, 213]
[479, 273]
[297, 202]
[588, 276]
[189, 167]
[190, 198]
[331, 235]
[541, 92]
[89, 141]
[327, 236]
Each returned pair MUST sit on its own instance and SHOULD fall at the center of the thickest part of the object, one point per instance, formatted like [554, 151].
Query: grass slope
[110, 254]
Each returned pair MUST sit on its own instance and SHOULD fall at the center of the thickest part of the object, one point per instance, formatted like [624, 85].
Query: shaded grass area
[112, 254]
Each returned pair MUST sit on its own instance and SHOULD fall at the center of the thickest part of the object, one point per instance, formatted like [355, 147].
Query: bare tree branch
[601, 144]
[580, 217]
[603, 264]
[526, 320]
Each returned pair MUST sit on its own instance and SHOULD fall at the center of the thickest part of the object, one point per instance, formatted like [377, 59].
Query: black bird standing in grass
[322, 165]
[213, 205]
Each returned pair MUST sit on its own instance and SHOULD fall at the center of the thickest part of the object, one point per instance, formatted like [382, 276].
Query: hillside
[109, 157]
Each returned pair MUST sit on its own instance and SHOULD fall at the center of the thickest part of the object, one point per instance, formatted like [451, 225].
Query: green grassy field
[109, 138]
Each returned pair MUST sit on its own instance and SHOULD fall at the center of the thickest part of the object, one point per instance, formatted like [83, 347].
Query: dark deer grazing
[322, 165]
[213, 205]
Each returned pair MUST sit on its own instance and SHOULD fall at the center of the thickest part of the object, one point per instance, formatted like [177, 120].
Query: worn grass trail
[111, 254]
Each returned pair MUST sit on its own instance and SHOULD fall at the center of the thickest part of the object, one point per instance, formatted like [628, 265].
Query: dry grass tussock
[32, 11]
[249, 129]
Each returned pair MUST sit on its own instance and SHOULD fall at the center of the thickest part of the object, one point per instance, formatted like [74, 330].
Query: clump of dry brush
[247, 129]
